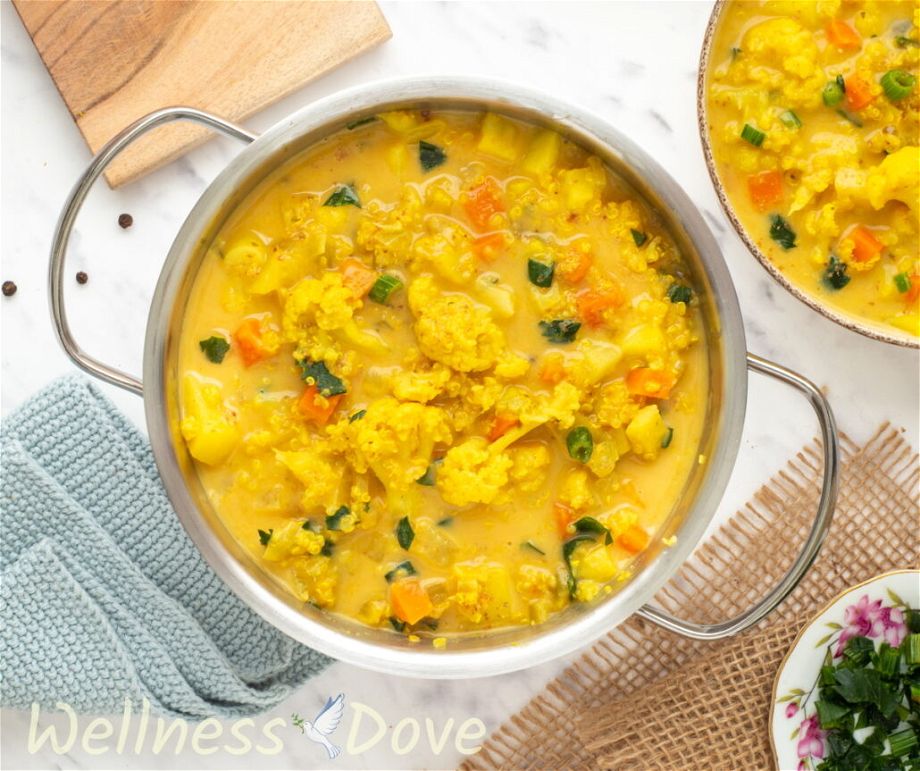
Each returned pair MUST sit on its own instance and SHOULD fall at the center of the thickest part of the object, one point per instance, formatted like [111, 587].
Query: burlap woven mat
[645, 698]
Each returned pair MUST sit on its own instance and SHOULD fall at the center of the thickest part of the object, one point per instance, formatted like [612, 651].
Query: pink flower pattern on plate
[811, 740]
[870, 619]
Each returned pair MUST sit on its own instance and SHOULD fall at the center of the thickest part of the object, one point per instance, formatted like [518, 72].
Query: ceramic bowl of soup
[445, 378]
[808, 114]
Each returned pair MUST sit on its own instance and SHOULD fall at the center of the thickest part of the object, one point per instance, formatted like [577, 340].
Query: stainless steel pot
[492, 652]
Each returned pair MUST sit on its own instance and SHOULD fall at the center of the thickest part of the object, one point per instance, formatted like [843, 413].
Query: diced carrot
[409, 600]
[842, 35]
[865, 244]
[318, 409]
[914, 292]
[501, 425]
[482, 202]
[552, 370]
[592, 304]
[765, 189]
[645, 381]
[489, 247]
[858, 93]
[574, 267]
[634, 539]
[248, 339]
[357, 276]
[564, 517]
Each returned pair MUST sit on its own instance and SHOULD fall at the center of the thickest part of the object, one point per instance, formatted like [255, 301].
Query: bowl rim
[424, 661]
[865, 327]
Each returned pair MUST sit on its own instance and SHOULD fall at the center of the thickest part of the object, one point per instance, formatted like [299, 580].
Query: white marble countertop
[634, 63]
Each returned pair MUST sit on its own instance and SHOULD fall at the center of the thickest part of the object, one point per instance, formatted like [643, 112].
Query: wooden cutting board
[116, 60]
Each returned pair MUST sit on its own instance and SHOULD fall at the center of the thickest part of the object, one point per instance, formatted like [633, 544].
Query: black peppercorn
[82, 278]
[125, 220]
[9, 288]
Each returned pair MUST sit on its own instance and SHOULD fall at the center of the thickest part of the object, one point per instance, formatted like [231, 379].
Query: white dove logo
[325, 723]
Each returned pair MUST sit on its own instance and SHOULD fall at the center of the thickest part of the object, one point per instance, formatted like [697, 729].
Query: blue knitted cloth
[102, 594]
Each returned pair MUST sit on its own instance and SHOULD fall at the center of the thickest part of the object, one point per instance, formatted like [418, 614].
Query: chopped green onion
[540, 273]
[334, 520]
[833, 92]
[752, 135]
[639, 237]
[533, 547]
[831, 715]
[215, 348]
[902, 41]
[897, 84]
[265, 536]
[835, 274]
[912, 649]
[317, 372]
[403, 568]
[913, 615]
[580, 444]
[915, 693]
[343, 195]
[430, 156]
[790, 119]
[903, 742]
[782, 232]
[560, 330]
[902, 282]
[405, 535]
[678, 293]
[360, 122]
[887, 660]
[357, 416]
[858, 650]
[397, 624]
[383, 287]
[666, 441]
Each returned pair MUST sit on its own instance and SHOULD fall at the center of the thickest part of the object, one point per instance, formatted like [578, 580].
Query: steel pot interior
[491, 652]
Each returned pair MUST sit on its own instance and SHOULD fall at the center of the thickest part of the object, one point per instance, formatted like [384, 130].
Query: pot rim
[864, 327]
[555, 640]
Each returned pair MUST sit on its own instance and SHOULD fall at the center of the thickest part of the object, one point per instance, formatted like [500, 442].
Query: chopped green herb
[580, 444]
[357, 416]
[678, 293]
[835, 274]
[897, 84]
[912, 649]
[312, 526]
[344, 195]
[398, 625]
[903, 742]
[832, 715]
[752, 135]
[326, 551]
[638, 236]
[901, 41]
[560, 330]
[430, 476]
[666, 441]
[383, 287]
[735, 52]
[317, 372]
[887, 660]
[540, 273]
[858, 650]
[446, 522]
[215, 348]
[832, 94]
[848, 116]
[404, 533]
[913, 619]
[360, 122]
[790, 119]
[430, 156]
[265, 536]
[533, 547]
[782, 232]
[402, 569]
[334, 520]
[591, 525]
[567, 548]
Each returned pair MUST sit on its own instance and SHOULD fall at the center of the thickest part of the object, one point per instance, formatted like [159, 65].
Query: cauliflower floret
[420, 386]
[294, 539]
[316, 579]
[614, 405]
[784, 43]
[512, 366]
[446, 254]
[206, 426]
[897, 177]
[453, 330]
[313, 470]
[646, 432]
[481, 591]
[324, 302]
[575, 491]
[395, 440]
[540, 588]
[473, 472]
[246, 257]
[528, 464]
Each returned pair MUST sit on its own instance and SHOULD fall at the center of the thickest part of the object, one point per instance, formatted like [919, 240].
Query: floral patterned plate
[873, 609]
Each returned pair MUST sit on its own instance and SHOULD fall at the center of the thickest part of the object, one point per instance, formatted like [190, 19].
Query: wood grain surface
[116, 60]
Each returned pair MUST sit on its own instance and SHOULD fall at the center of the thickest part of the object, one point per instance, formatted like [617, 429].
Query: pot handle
[819, 528]
[69, 214]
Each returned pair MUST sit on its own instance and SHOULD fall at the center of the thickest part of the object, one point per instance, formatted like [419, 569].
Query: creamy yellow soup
[442, 372]
[812, 110]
